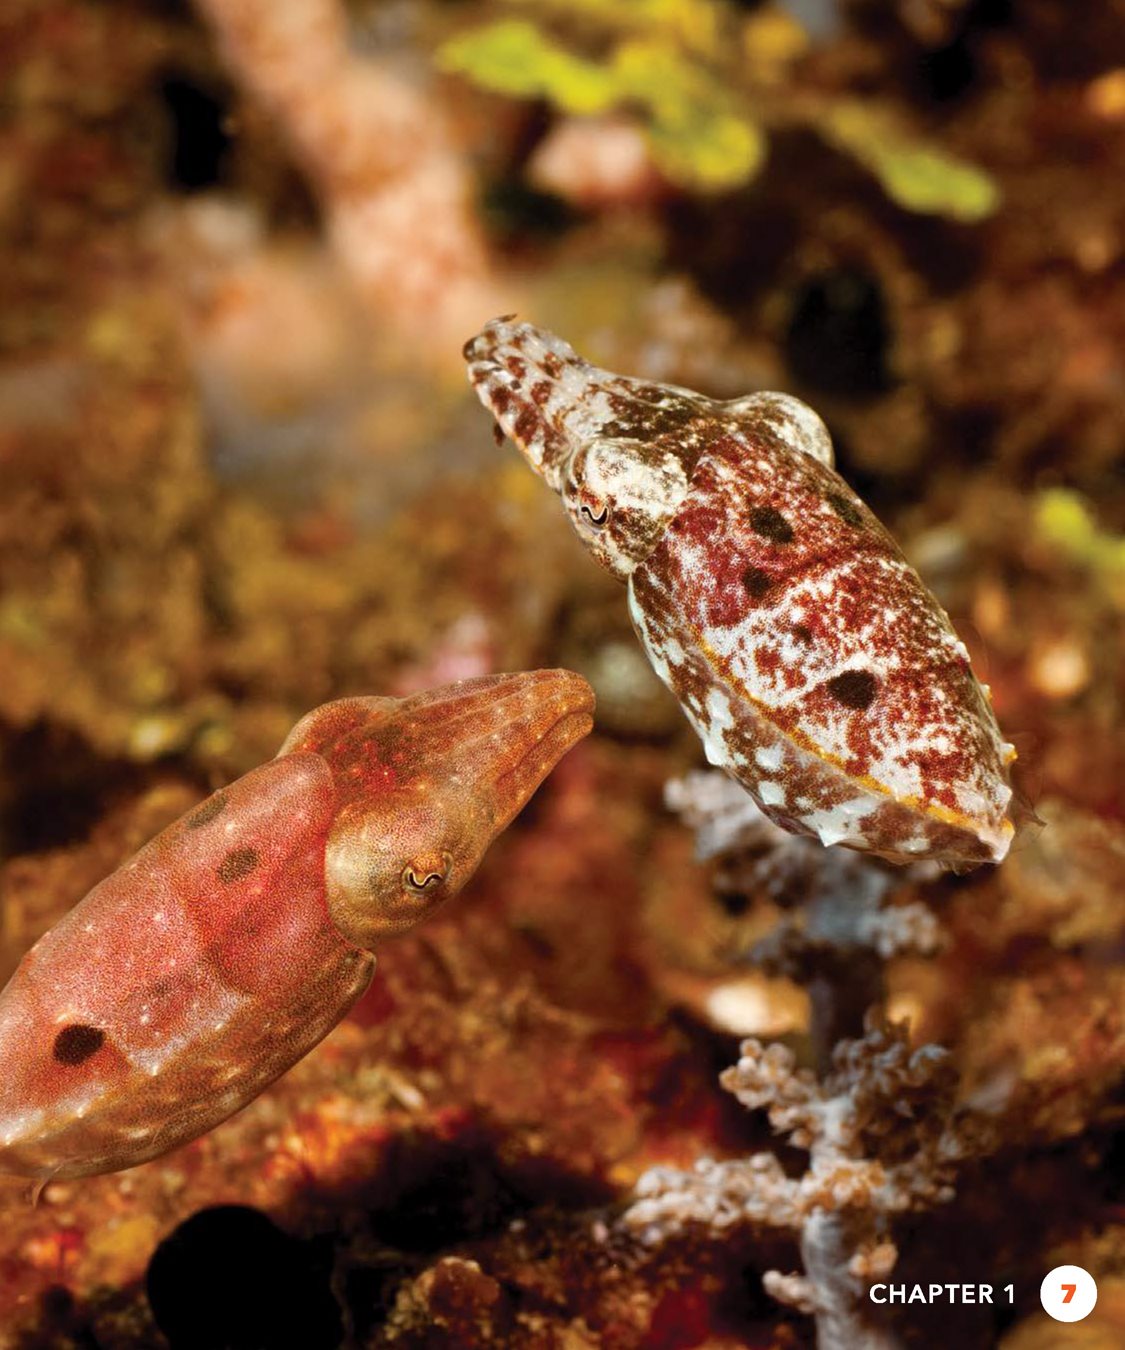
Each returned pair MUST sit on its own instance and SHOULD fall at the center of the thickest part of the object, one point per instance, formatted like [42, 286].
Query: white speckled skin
[814, 664]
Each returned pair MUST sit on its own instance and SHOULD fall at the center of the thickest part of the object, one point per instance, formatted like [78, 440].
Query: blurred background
[241, 245]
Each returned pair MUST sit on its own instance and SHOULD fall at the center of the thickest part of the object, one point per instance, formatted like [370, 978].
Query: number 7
[1070, 1288]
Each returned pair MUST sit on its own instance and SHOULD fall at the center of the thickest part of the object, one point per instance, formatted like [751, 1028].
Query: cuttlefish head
[619, 451]
[426, 784]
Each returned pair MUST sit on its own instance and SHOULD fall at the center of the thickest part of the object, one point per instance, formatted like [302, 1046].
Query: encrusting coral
[883, 1137]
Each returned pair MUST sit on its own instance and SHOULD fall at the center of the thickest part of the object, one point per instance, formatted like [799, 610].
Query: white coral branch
[882, 1139]
[793, 1290]
[380, 155]
[715, 1195]
[721, 812]
[846, 898]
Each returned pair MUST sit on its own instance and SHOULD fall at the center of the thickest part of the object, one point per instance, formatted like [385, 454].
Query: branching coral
[880, 1126]
[380, 156]
[883, 1137]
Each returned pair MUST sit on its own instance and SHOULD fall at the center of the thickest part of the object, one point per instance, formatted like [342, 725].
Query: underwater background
[241, 245]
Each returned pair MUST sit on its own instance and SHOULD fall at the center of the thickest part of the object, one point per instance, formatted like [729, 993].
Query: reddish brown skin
[232, 943]
[816, 667]
[909, 690]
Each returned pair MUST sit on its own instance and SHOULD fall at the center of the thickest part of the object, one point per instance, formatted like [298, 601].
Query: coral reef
[240, 248]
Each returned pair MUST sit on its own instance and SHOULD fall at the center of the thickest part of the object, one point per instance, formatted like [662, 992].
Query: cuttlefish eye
[593, 508]
[423, 877]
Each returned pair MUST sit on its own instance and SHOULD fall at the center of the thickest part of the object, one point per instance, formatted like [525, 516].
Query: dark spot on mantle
[238, 863]
[854, 689]
[771, 524]
[756, 582]
[207, 811]
[846, 510]
[76, 1043]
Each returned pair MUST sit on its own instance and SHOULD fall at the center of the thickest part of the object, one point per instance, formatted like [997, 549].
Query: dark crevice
[951, 70]
[432, 1194]
[513, 210]
[200, 142]
[229, 1279]
[58, 788]
[839, 334]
